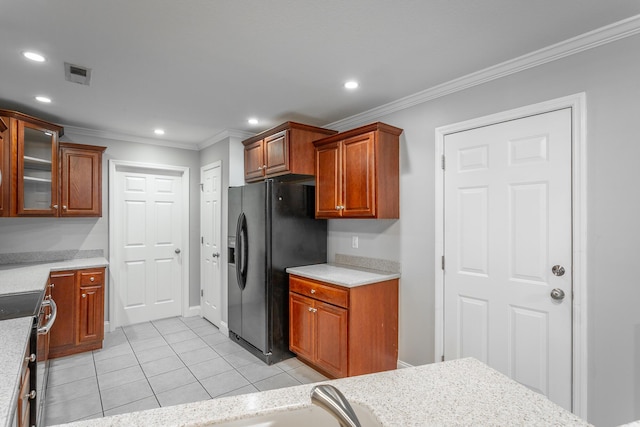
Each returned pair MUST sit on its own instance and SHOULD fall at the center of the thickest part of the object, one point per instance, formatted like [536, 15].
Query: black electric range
[21, 304]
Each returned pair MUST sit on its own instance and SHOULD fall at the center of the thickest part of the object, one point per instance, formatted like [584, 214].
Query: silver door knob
[215, 255]
[178, 250]
[557, 294]
[557, 270]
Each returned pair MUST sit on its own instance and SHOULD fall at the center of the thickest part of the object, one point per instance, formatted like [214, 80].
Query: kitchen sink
[311, 416]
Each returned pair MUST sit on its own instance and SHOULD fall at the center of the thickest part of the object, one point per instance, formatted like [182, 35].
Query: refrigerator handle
[242, 251]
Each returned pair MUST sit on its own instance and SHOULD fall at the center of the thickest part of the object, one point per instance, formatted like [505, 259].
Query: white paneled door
[210, 250]
[507, 246]
[148, 234]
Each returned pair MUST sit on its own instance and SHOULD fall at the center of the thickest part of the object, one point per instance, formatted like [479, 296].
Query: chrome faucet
[333, 401]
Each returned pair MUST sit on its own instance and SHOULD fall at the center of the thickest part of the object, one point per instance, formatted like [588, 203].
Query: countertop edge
[342, 275]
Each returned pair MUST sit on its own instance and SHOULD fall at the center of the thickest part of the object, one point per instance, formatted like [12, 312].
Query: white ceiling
[198, 68]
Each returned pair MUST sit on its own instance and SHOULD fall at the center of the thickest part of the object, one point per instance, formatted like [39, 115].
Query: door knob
[557, 270]
[178, 250]
[557, 294]
[215, 254]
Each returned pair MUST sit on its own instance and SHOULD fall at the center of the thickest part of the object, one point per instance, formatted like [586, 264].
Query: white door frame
[216, 164]
[577, 103]
[114, 256]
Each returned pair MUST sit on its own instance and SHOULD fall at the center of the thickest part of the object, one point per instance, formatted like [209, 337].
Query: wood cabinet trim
[33, 120]
[378, 126]
[285, 126]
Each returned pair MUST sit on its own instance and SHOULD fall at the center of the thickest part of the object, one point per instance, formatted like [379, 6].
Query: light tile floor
[161, 363]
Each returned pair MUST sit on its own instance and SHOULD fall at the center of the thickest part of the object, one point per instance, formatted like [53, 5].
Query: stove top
[22, 304]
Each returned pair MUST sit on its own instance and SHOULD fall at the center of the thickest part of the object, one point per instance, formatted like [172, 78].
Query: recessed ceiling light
[159, 131]
[33, 56]
[43, 99]
[253, 121]
[351, 84]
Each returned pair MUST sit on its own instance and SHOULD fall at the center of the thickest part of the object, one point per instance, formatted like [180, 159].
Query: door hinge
[443, 162]
[202, 187]
[442, 261]
[201, 292]
[442, 359]
[202, 240]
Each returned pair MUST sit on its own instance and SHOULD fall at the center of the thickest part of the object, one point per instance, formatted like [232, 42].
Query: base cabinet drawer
[79, 326]
[360, 336]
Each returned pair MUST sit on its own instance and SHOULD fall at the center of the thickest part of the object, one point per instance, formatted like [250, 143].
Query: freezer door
[233, 289]
[254, 294]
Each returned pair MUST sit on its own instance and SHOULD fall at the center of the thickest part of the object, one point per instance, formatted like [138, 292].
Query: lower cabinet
[344, 331]
[79, 326]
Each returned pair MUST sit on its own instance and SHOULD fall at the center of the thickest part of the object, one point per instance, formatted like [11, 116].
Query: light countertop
[459, 392]
[342, 275]
[14, 333]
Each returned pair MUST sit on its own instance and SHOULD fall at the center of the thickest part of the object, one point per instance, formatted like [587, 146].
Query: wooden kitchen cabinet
[285, 149]
[44, 177]
[358, 173]
[81, 180]
[79, 295]
[344, 331]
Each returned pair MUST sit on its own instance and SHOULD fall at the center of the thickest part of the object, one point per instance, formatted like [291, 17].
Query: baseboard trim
[402, 365]
[193, 310]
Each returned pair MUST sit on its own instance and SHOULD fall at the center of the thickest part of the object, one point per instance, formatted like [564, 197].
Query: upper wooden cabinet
[285, 149]
[80, 180]
[42, 177]
[358, 173]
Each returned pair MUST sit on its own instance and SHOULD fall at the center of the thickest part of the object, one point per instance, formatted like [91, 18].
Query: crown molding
[228, 133]
[94, 133]
[598, 37]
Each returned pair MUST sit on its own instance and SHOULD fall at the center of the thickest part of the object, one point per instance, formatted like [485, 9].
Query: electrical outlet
[354, 242]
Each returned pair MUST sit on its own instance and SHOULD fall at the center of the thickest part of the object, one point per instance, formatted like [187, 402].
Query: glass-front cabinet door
[37, 172]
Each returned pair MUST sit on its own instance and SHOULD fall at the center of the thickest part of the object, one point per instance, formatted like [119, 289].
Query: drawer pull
[313, 291]
[92, 279]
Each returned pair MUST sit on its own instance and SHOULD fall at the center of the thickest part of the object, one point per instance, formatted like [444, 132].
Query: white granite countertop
[342, 275]
[460, 392]
[32, 277]
[14, 333]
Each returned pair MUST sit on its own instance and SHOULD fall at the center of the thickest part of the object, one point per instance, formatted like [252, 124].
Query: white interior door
[210, 251]
[148, 226]
[507, 223]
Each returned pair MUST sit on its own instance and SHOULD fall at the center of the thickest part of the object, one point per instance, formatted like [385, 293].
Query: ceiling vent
[77, 74]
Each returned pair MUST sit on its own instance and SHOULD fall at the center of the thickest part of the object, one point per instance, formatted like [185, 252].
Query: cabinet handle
[92, 279]
[31, 358]
[84, 295]
[313, 310]
[31, 395]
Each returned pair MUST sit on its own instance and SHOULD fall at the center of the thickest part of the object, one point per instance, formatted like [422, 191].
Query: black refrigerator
[271, 227]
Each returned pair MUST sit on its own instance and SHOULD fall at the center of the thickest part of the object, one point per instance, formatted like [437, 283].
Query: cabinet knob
[55, 206]
[52, 285]
[313, 291]
[31, 358]
[312, 310]
[84, 295]
[64, 207]
[92, 279]
[31, 395]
